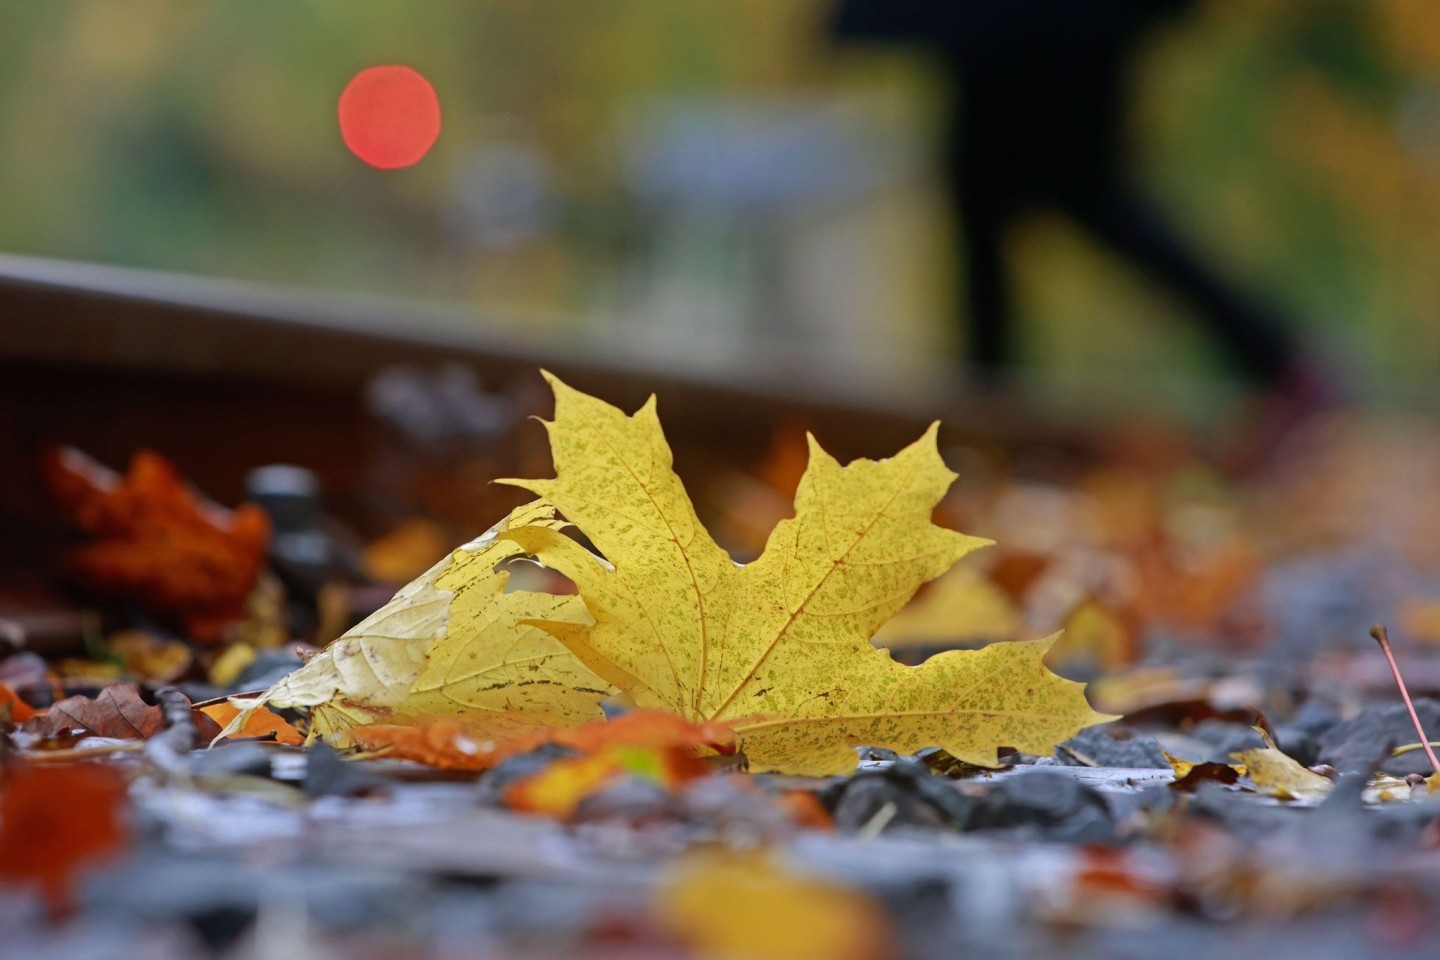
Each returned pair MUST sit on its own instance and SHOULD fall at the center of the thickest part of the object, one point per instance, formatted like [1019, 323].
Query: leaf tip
[562, 392]
[815, 452]
[1043, 645]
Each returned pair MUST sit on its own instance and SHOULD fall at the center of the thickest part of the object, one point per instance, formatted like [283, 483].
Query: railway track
[223, 376]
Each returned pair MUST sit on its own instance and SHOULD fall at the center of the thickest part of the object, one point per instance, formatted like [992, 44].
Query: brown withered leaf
[116, 712]
[1190, 774]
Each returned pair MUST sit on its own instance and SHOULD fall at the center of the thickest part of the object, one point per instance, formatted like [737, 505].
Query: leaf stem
[1400, 751]
[1382, 637]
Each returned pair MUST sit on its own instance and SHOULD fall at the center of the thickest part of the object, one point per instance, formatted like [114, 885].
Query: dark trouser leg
[987, 305]
[1253, 339]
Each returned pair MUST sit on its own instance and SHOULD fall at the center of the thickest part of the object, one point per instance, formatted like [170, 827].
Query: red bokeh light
[389, 116]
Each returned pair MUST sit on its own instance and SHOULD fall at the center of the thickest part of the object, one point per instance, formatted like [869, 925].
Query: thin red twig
[1382, 636]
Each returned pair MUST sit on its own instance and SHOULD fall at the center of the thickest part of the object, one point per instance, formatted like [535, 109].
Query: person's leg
[987, 302]
[1253, 338]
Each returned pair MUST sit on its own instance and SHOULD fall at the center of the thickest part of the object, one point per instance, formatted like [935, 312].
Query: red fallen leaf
[448, 745]
[157, 541]
[117, 711]
[261, 723]
[12, 708]
[55, 819]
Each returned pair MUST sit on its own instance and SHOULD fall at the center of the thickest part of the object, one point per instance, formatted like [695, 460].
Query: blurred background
[748, 208]
[720, 184]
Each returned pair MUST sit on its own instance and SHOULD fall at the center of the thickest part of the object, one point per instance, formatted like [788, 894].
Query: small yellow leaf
[232, 661]
[452, 644]
[1276, 774]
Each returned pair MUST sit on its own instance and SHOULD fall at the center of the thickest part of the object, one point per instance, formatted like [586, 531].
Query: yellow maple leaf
[452, 644]
[779, 650]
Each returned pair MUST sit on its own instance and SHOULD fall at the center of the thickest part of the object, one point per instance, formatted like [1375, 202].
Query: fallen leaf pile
[158, 542]
[481, 799]
[778, 650]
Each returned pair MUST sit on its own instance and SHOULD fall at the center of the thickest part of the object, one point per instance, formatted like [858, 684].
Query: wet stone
[1112, 745]
[1225, 737]
[918, 798]
[1363, 742]
[246, 759]
[328, 775]
[1052, 806]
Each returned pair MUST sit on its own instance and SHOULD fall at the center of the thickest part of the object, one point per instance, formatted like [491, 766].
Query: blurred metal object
[302, 552]
[441, 410]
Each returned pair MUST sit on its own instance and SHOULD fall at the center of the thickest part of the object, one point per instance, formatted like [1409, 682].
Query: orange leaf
[558, 789]
[448, 745]
[261, 723]
[20, 711]
[651, 745]
[561, 787]
[445, 744]
[405, 552]
[54, 820]
[157, 541]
